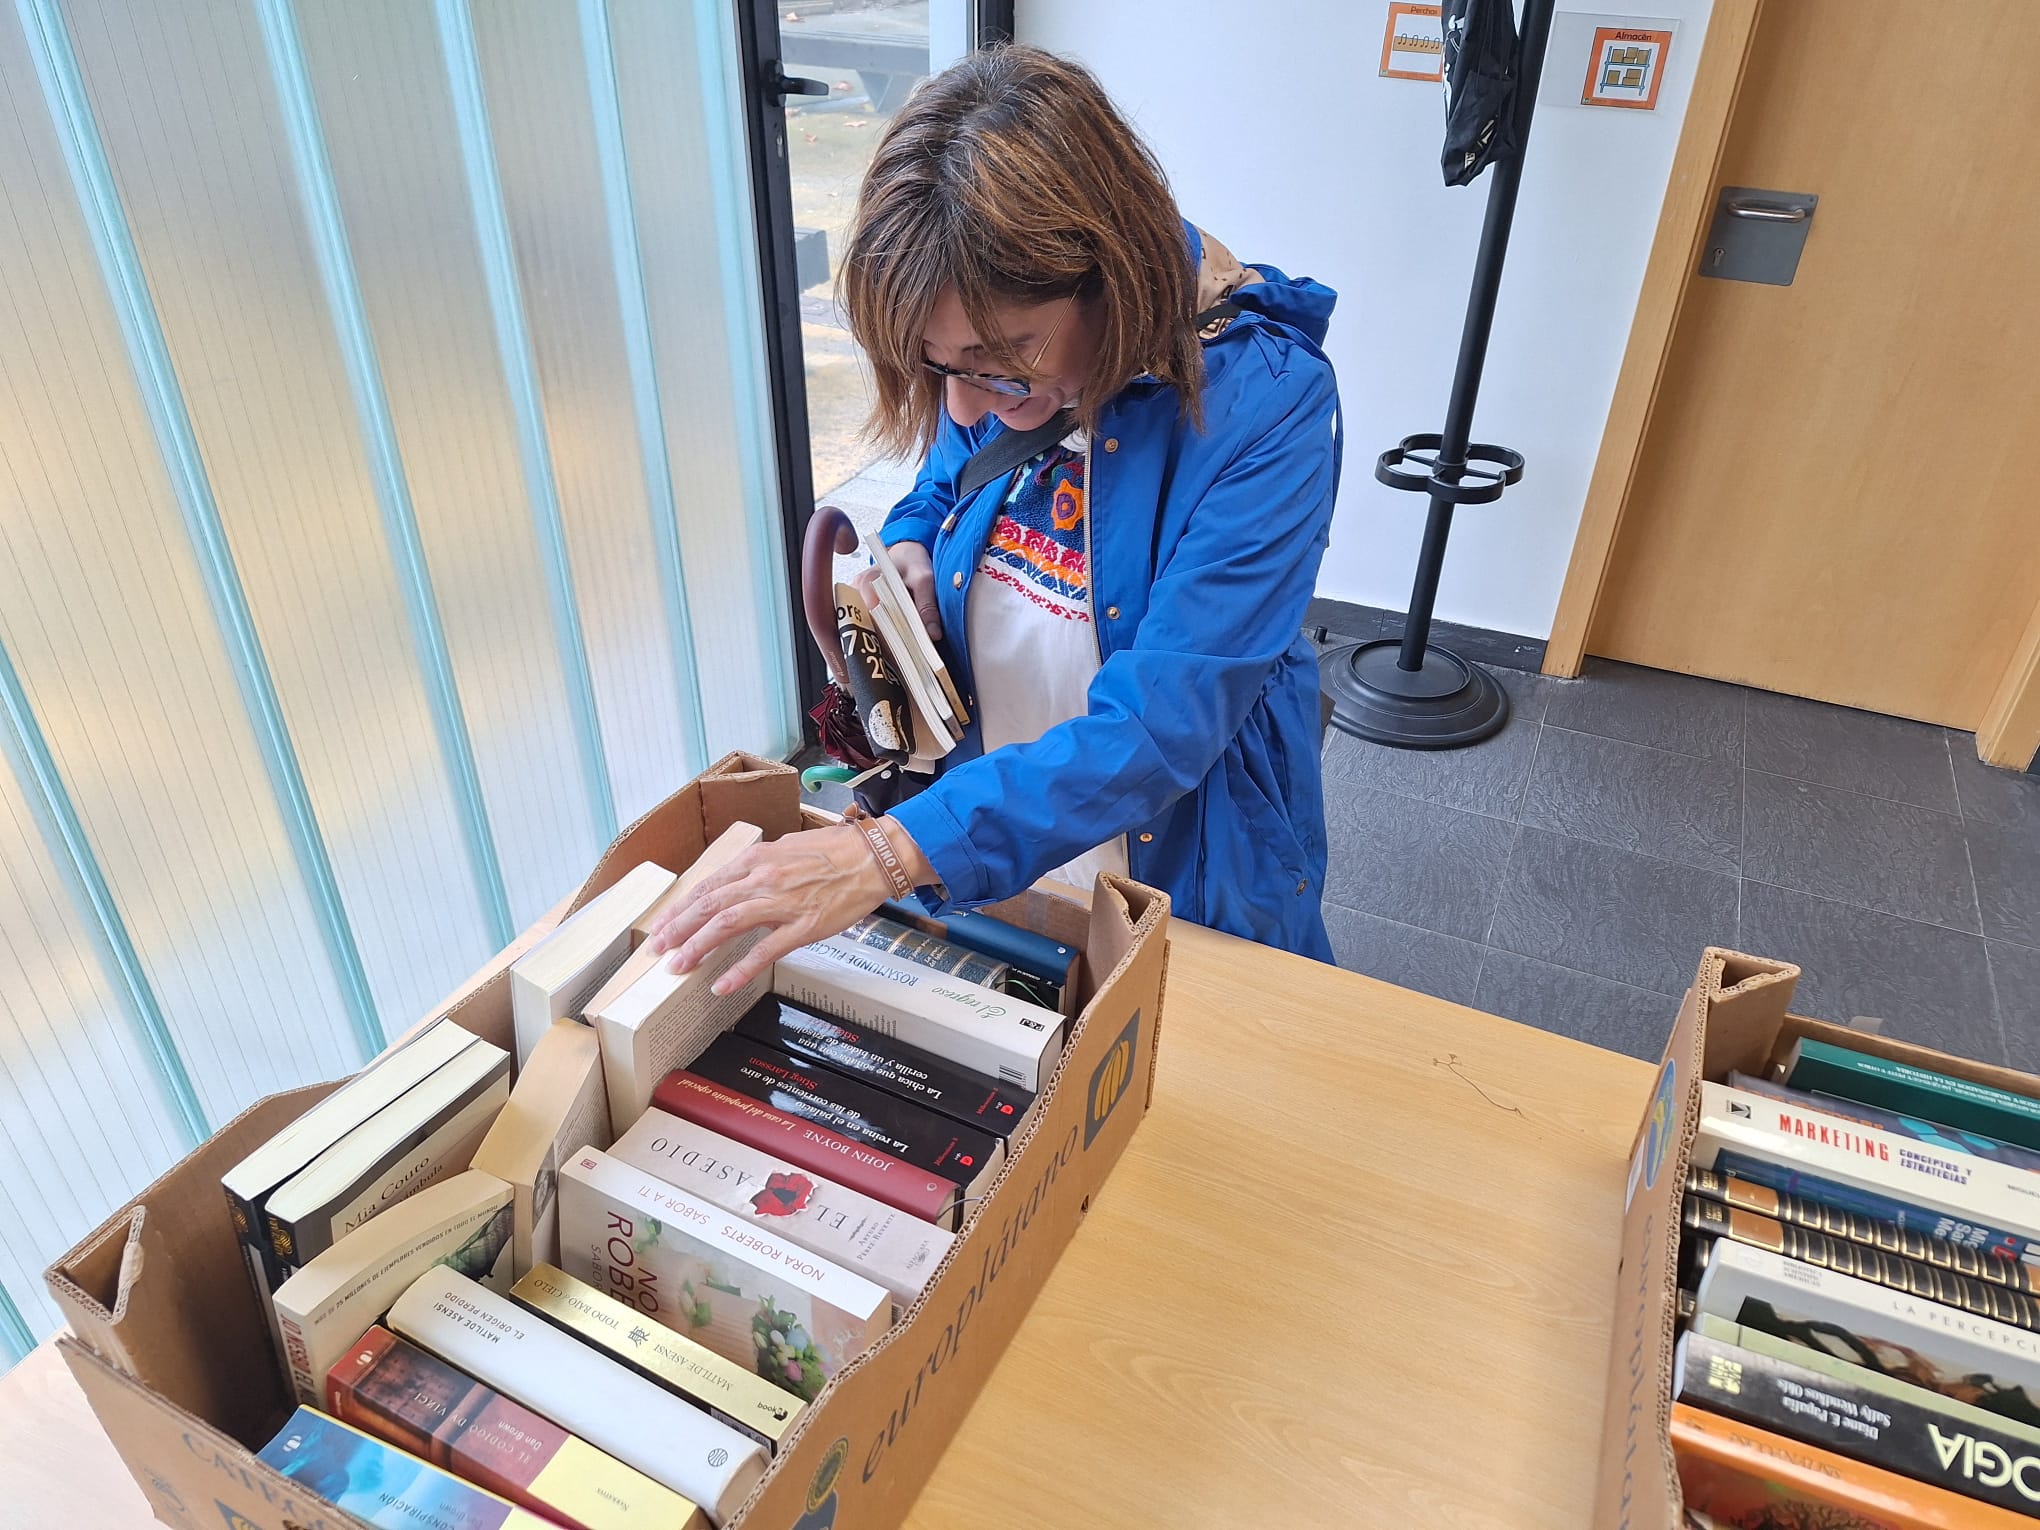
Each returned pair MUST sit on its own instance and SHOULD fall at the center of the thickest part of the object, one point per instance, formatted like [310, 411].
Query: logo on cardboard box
[235, 1519]
[1656, 1139]
[1110, 1080]
[821, 1493]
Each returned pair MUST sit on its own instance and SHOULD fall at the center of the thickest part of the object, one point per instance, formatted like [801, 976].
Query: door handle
[1766, 212]
[778, 84]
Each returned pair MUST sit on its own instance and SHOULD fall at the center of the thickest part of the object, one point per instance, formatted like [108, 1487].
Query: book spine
[970, 1026]
[887, 1063]
[1856, 1422]
[746, 1402]
[850, 1109]
[1996, 1242]
[1950, 1348]
[896, 939]
[1711, 1219]
[1039, 956]
[1949, 1139]
[584, 1392]
[1983, 1264]
[881, 1176]
[1997, 1113]
[251, 1231]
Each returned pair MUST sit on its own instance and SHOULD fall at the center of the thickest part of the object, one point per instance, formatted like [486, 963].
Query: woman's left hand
[799, 889]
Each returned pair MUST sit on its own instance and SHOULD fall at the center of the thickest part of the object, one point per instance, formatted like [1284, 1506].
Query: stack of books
[1860, 1299]
[603, 1298]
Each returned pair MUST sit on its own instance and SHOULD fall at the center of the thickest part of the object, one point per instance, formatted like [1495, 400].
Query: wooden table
[1356, 1269]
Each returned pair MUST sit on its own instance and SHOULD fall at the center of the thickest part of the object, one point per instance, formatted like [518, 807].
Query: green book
[1820, 1068]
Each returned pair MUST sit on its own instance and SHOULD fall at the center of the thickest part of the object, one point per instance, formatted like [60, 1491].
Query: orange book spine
[1750, 1479]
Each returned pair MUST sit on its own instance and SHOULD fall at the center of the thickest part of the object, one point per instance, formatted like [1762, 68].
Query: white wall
[1280, 137]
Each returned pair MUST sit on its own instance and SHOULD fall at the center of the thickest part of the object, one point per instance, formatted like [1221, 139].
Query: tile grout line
[1864, 908]
[1997, 1004]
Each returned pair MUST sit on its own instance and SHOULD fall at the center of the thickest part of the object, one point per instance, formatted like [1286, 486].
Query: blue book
[1952, 1139]
[387, 1487]
[1787, 1180]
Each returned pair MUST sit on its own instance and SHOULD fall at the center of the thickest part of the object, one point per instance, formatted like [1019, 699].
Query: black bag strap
[1000, 455]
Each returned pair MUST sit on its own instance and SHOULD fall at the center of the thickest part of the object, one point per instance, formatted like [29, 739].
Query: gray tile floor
[1567, 872]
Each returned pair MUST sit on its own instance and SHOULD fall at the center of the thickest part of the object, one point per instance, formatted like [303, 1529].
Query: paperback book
[420, 1404]
[463, 1222]
[910, 944]
[746, 1294]
[428, 1133]
[882, 1243]
[1820, 1067]
[734, 1393]
[1040, 969]
[556, 977]
[497, 1342]
[887, 1063]
[1949, 1139]
[380, 1484]
[558, 1107]
[879, 1175]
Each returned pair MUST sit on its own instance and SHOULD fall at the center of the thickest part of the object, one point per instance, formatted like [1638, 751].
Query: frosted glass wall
[386, 516]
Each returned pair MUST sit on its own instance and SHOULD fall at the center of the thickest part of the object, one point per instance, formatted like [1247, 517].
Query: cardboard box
[174, 1357]
[1735, 1017]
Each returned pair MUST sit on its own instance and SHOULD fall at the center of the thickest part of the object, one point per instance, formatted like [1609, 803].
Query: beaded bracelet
[882, 851]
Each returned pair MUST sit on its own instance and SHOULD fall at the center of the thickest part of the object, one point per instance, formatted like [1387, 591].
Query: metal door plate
[1757, 235]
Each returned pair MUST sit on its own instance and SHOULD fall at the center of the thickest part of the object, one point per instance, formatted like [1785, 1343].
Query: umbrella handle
[829, 533]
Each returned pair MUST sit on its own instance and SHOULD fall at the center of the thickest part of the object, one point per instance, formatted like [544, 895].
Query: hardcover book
[882, 1243]
[428, 1133]
[418, 1403]
[979, 1028]
[967, 1156]
[1857, 1422]
[887, 1063]
[896, 939]
[1991, 1365]
[557, 1107]
[1712, 1219]
[1949, 1139]
[556, 977]
[879, 1175]
[463, 1222]
[380, 1484]
[497, 1342]
[249, 1184]
[650, 1021]
[720, 1280]
[1978, 1264]
[1752, 1479]
[1951, 1196]
[1040, 969]
[734, 1393]
[1820, 1067]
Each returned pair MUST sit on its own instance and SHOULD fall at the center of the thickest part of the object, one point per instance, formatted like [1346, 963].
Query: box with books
[173, 1351]
[1861, 1336]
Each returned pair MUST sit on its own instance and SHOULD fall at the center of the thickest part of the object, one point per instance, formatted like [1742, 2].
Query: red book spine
[879, 1175]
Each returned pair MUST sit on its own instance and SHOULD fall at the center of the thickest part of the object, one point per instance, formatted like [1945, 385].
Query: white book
[649, 1021]
[1882, 1175]
[934, 734]
[586, 1393]
[557, 976]
[893, 592]
[893, 628]
[1942, 1348]
[428, 1133]
[323, 1310]
[971, 1026]
[557, 1108]
[749, 1295]
[882, 1244]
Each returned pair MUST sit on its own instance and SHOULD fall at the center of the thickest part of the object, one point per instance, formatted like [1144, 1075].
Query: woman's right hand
[917, 573]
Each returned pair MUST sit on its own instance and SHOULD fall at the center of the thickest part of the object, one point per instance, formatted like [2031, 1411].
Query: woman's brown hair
[1011, 177]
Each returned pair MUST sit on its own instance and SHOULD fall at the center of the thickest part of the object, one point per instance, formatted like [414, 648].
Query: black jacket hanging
[1480, 85]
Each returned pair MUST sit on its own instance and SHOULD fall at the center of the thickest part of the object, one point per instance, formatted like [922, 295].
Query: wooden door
[1837, 492]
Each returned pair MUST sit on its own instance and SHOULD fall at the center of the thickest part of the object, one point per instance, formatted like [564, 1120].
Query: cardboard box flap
[174, 1310]
[1746, 998]
[737, 788]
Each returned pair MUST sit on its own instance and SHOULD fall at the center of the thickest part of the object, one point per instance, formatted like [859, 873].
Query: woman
[1124, 611]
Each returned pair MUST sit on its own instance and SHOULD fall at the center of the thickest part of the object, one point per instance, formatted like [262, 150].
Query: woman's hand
[917, 573]
[798, 889]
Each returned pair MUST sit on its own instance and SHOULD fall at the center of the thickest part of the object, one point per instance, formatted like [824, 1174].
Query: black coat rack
[1406, 691]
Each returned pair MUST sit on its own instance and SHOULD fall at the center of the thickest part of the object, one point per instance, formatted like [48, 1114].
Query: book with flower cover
[718, 1279]
[882, 1243]
[417, 1402]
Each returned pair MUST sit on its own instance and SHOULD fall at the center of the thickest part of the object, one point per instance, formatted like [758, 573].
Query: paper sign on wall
[1626, 67]
[1413, 45]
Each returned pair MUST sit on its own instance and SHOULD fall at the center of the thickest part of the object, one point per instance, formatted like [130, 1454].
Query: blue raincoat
[1201, 741]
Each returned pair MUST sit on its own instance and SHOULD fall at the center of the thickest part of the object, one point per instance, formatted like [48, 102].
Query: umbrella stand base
[1445, 705]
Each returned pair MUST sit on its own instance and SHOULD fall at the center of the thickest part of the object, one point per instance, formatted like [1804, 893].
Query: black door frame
[772, 216]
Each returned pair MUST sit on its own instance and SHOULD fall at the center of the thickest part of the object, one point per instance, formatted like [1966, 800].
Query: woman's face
[1058, 339]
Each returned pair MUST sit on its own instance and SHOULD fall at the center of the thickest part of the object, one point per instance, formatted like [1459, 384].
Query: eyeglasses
[1005, 387]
